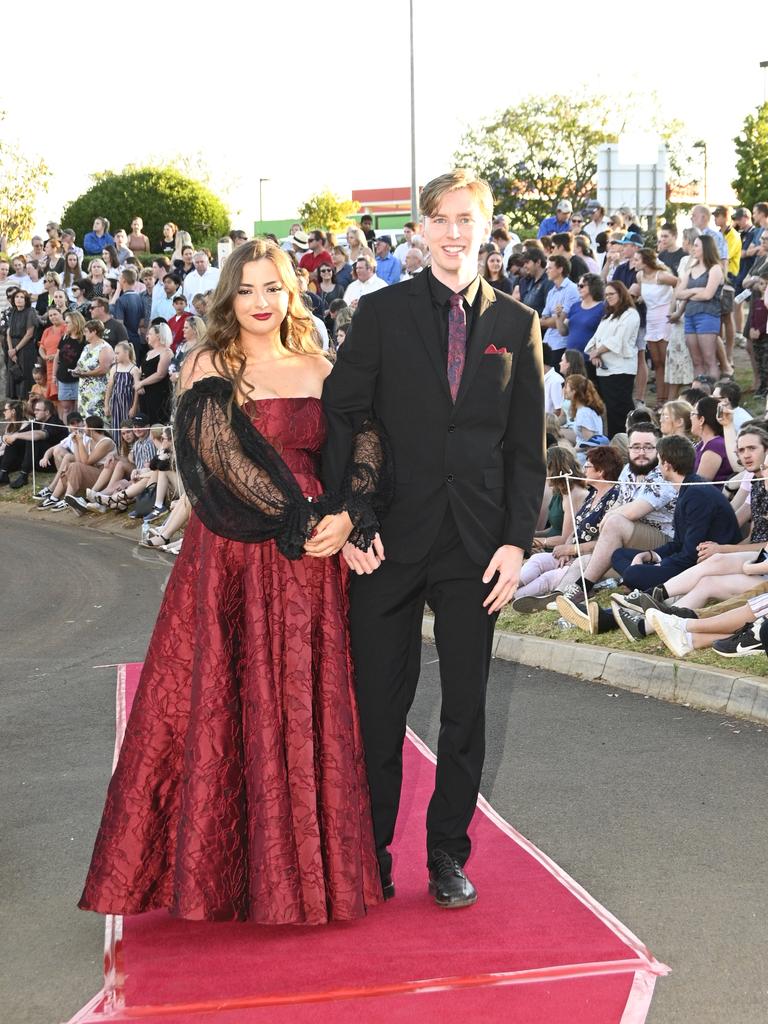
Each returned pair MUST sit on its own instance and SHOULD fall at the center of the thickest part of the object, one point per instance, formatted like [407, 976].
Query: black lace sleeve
[237, 483]
[368, 485]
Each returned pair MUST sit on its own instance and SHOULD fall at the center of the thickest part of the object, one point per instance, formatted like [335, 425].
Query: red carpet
[543, 953]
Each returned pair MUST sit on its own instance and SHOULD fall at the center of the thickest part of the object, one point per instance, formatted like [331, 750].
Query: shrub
[157, 195]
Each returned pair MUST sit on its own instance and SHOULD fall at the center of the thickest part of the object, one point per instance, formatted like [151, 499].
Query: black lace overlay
[368, 483]
[237, 483]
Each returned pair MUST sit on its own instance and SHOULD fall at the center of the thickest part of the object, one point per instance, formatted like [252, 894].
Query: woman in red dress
[240, 791]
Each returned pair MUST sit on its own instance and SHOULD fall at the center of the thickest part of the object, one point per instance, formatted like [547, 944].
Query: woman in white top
[655, 285]
[587, 408]
[613, 351]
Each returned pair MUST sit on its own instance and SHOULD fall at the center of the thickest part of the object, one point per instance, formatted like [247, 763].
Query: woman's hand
[707, 549]
[330, 536]
[563, 551]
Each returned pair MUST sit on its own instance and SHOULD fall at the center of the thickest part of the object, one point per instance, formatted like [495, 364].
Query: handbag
[15, 372]
[726, 299]
[145, 501]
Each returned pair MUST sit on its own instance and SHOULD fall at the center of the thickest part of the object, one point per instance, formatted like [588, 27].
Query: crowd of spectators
[670, 501]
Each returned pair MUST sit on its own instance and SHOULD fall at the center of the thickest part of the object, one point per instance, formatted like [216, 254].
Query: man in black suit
[452, 370]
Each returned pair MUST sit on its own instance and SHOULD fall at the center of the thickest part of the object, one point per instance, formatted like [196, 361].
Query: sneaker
[585, 617]
[630, 623]
[157, 513]
[57, 506]
[94, 506]
[671, 631]
[745, 642]
[637, 601]
[48, 502]
[42, 494]
[76, 503]
[531, 604]
[575, 592]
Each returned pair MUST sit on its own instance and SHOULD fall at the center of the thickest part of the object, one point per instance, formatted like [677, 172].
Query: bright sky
[314, 94]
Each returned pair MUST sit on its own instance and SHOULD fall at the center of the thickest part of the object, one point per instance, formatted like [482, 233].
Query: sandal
[153, 538]
[118, 502]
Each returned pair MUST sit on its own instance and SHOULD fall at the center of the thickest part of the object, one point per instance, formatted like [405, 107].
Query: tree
[751, 181]
[23, 179]
[542, 150]
[327, 212]
[157, 195]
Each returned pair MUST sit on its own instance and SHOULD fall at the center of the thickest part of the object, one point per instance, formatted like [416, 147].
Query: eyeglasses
[326, 270]
[642, 448]
[576, 220]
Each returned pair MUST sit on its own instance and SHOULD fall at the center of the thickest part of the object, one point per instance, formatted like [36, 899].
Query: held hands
[364, 562]
[507, 562]
[329, 536]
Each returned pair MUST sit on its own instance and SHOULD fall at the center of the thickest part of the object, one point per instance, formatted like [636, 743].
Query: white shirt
[620, 338]
[593, 230]
[199, 284]
[357, 289]
[553, 390]
[401, 250]
[322, 331]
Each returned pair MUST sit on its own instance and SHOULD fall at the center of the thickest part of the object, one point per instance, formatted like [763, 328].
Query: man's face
[721, 219]
[751, 453]
[700, 219]
[179, 307]
[74, 426]
[454, 233]
[413, 260]
[666, 241]
[41, 412]
[408, 232]
[169, 286]
[201, 263]
[597, 215]
[4, 270]
[99, 313]
[561, 216]
[19, 266]
[158, 271]
[55, 319]
[554, 273]
[628, 252]
[642, 452]
[382, 249]
[758, 217]
[366, 223]
[315, 243]
[364, 272]
[529, 268]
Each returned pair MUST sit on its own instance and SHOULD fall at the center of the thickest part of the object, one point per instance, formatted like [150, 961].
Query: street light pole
[414, 188]
[261, 199]
[703, 146]
[764, 65]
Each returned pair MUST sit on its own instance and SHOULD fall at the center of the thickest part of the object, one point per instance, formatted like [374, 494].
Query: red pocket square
[493, 351]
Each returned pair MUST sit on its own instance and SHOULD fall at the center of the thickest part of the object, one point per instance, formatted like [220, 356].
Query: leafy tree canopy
[23, 179]
[326, 212]
[751, 181]
[157, 195]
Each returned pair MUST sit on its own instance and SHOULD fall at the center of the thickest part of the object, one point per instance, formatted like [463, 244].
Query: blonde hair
[131, 352]
[98, 262]
[222, 340]
[460, 177]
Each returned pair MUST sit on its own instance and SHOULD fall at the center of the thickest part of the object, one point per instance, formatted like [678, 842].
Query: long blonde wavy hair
[222, 336]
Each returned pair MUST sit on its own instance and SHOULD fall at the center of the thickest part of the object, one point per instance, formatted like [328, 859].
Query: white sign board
[621, 182]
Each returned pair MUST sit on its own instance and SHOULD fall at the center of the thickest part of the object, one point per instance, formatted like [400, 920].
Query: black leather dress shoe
[19, 481]
[387, 886]
[448, 882]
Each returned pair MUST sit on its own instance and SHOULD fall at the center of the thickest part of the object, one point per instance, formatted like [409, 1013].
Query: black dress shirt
[441, 304]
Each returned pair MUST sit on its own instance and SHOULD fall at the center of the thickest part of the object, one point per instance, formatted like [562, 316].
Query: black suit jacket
[483, 456]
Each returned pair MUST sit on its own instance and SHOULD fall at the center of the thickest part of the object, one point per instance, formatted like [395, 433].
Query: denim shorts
[67, 392]
[698, 323]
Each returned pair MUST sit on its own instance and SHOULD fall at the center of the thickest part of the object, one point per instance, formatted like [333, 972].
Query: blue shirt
[566, 295]
[388, 269]
[551, 225]
[582, 324]
[94, 244]
[720, 242]
[130, 309]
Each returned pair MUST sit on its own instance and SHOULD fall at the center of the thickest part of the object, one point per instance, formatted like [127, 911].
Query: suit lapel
[481, 337]
[424, 320]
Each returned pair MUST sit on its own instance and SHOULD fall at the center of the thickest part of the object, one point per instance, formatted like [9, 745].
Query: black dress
[155, 400]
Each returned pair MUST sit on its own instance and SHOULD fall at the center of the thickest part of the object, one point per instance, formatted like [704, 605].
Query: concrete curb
[695, 686]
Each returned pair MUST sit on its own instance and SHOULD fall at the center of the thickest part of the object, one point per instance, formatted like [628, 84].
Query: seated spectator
[91, 370]
[736, 633]
[553, 392]
[583, 249]
[582, 320]
[640, 518]
[675, 418]
[559, 221]
[12, 420]
[494, 273]
[341, 267]
[545, 569]
[613, 352]
[161, 537]
[39, 387]
[31, 441]
[166, 479]
[91, 449]
[561, 463]
[134, 455]
[586, 411]
[728, 395]
[572, 361]
[124, 252]
[60, 453]
[711, 459]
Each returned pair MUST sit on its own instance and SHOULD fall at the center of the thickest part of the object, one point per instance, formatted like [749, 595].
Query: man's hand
[364, 562]
[330, 536]
[507, 562]
[706, 550]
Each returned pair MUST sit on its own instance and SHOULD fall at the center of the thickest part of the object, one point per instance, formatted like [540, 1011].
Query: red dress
[240, 791]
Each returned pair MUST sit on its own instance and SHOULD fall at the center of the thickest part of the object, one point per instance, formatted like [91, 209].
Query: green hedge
[157, 195]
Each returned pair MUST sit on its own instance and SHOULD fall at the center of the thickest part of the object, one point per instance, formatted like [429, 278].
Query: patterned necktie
[457, 343]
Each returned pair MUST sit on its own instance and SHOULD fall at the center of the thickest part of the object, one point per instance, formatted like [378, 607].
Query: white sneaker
[57, 506]
[671, 631]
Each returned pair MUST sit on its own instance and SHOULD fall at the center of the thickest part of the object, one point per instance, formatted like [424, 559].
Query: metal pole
[414, 188]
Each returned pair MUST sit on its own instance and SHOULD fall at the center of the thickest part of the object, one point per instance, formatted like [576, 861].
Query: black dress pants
[615, 389]
[18, 456]
[386, 610]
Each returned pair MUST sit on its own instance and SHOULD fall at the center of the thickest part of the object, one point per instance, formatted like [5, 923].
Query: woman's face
[136, 225]
[68, 324]
[120, 238]
[667, 423]
[98, 226]
[636, 262]
[96, 270]
[60, 299]
[341, 334]
[18, 267]
[494, 263]
[8, 411]
[168, 232]
[187, 253]
[611, 297]
[563, 367]
[107, 257]
[352, 238]
[127, 435]
[697, 249]
[261, 301]
[591, 473]
[697, 423]
[339, 259]
[189, 332]
[72, 260]
[91, 336]
[19, 301]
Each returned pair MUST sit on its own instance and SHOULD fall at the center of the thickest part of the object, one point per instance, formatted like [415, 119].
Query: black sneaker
[631, 624]
[532, 604]
[19, 481]
[579, 614]
[637, 601]
[744, 643]
[42, 494]
[76, 503]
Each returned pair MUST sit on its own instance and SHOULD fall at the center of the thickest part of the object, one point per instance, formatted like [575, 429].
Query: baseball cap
[385, 238]
[564, 206]
[631, 238]
[140, 420]
[739, 212]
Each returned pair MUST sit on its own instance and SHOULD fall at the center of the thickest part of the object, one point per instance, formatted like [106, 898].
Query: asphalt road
[659, 811]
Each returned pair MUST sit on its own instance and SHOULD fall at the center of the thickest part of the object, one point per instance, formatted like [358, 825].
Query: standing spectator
[193, 333]
[656, 286]
[414, 263]
[21, 350]
[597, 222]
[79, 301]
[70, 349]
[185, 265]
[613, 351]
[701, 286]
[178, 319]
[203, 278]
[409, 229]
[583, 249]
[122, 380]
[534, 284]
[48, 349]
[757, 329]
[564, 294]
[92, 369]
[553, 392]
[317, 255]
[629, 218]
[356, 243]
[494, 273]
[581, 321]
[72, 274]
[68, 237]
[700, 218]
[95, 240]
[328, 288]
[113, 330]
[387, 267]
[137, 240]
[153, 394]
[124, 252]
[366, 281]
[560, 221]
[31, 440]
[366, 226]
[182, 240]
[167, 243]
[93, 284]
[161, 267]
[35, 285]
[561, 246]
[164, 305]
[128, 306]
[54, 256]
[38, 249]
[19, 277]
[112, 262]
[669, 252]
